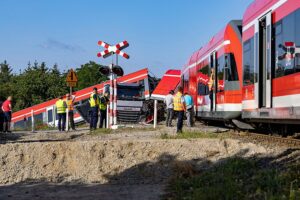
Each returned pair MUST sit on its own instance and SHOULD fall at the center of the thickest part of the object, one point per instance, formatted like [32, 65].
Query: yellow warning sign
[71, 78]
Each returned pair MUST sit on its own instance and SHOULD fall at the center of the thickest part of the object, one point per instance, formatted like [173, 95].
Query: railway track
[269, 139]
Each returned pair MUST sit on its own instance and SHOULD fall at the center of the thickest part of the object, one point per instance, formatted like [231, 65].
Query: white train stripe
[286, 101]
[133, 78]
[158, 96]
[169, 75]
[226, 107]
[226, 42]
[249, 104]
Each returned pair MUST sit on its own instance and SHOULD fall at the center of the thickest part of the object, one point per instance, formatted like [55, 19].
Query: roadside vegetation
[195, 135]
[38, 82]
[237, 178]
[120, 130]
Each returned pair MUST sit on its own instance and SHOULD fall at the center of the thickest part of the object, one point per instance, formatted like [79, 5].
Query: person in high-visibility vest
[70, 103]
[179, 108]
[94, 104]
[61, 107]
[104, 101]
[189, 104]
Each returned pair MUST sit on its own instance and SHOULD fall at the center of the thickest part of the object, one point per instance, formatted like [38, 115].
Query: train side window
[297, 62]
[221, 64]
[202, 89]
[106, 89]
[230, 68]
[50, 116]
[204, 70]
[287, 30]
[248, 62]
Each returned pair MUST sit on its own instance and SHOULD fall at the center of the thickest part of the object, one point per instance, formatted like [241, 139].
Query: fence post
[67, 119]
[107, 116]
[155, 114]
[32, 121]
[115, 101]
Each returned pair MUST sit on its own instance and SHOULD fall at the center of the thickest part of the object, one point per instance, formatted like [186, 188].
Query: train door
[51, 116]
[264, 62]
[213, 81]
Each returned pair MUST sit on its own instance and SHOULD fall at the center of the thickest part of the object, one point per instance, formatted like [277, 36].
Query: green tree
[5, 80]
[38, 84]
[56, 83]
[89, 75]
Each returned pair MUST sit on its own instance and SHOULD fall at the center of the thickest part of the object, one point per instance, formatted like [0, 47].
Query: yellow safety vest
[94, 103]
[178, 105]
[60, 106]
[102, 105]
[70, 104]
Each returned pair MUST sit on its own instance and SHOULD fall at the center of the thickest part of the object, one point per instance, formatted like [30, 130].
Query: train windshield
[130, 93]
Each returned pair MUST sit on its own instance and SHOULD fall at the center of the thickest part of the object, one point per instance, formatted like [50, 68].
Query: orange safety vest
[70, 104]
[178, 105]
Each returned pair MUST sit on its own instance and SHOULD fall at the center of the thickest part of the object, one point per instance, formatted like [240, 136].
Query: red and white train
[46, 112]
[251, 69]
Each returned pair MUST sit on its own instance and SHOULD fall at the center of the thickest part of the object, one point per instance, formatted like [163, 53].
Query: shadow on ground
[153, 180]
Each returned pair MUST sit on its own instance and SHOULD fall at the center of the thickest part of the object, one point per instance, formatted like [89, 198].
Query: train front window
[287, 30]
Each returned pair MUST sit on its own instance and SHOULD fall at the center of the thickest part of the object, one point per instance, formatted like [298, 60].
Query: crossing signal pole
[113, 71]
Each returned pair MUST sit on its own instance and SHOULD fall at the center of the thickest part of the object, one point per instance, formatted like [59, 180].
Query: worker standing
[70, 103]
[1, 117]
[169, 101]
[94, 104]
[61, 107]
[189, 104]
[7, 108]
[104, 101]
[179, 107]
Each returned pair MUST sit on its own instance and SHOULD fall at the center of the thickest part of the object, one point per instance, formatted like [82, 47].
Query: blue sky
[162, 33]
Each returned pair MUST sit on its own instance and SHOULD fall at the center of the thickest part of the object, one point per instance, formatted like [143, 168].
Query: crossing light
[104, 70]
[116, 69]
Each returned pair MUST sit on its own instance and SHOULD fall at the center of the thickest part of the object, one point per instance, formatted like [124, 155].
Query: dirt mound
[133, 162]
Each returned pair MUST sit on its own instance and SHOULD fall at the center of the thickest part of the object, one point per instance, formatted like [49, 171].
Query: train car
[45, 113]
[169, 81]
[213, 75]
[271, 62]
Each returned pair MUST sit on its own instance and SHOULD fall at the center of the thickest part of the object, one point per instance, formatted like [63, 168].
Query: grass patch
[194, 135]
[101, 131]
[238, 178]
[121, 130]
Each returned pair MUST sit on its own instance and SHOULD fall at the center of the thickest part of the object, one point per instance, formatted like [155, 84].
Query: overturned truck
[133, 98]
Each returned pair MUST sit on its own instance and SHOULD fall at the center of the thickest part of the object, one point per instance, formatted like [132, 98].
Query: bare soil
[129, 164]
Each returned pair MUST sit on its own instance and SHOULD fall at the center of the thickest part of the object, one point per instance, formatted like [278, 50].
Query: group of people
[98, 106]
[181, 104]
[61, 105]
[5, 115]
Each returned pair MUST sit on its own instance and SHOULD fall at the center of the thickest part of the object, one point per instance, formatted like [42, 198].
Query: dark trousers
[1, 121]
[180, 115]
[62, 121]
[71, 120]
[170, 113]
[102, 118]
[94, 117]
[7, 120]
